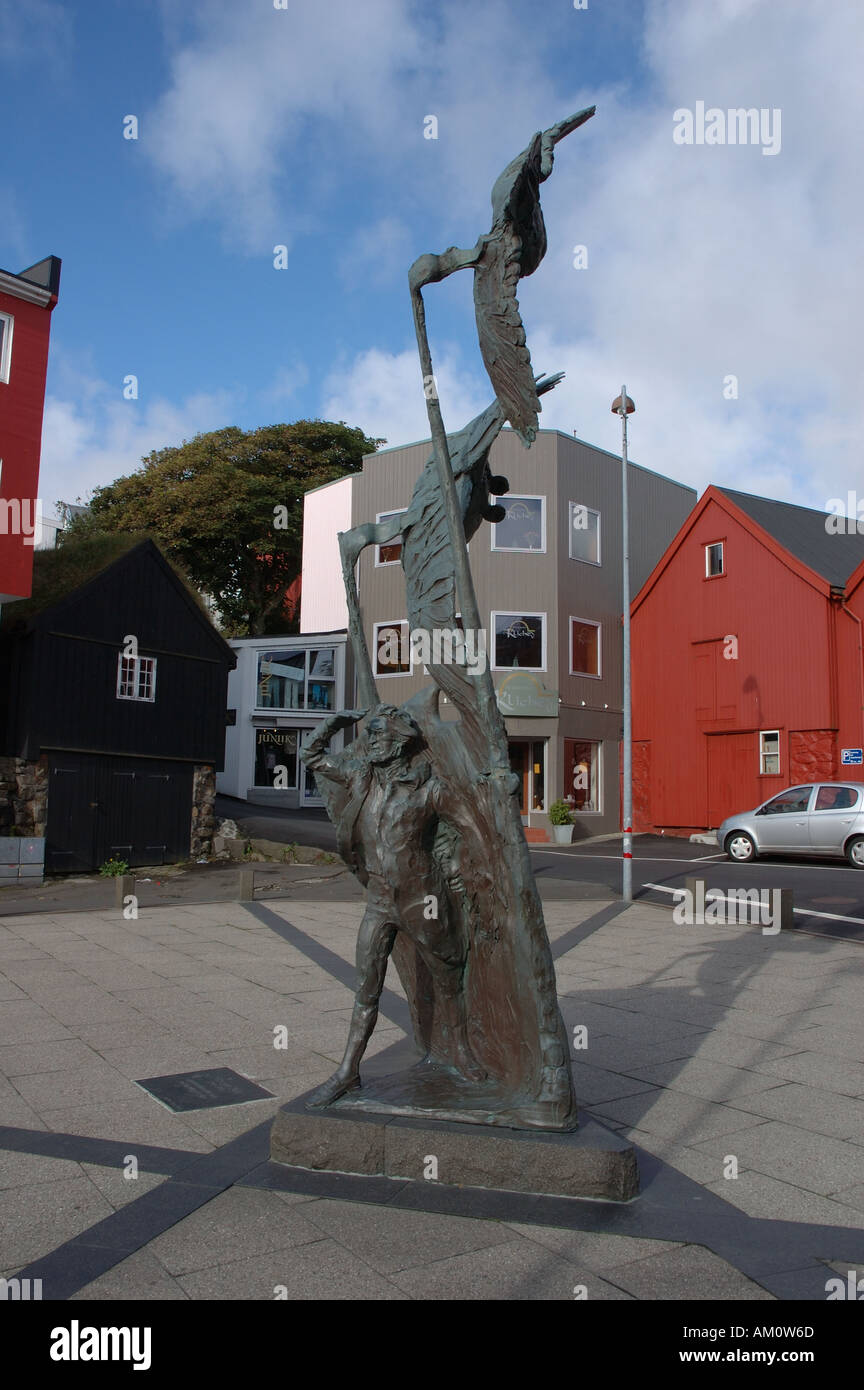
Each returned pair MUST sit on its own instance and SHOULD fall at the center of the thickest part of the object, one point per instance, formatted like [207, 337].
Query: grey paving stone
[759, 1194]
[40, 1216]
[22, 1021]
[391, 1239]
[807, 1160]
[709, 1081]
[676, 1116]
[838, 1116]
[816, 1069]
[141, 1121]
[688, 1272]
[236, 1225]
[592, 1084]
[591, 1249]
[26, 1059]
[116, 1187]
[139, 1278]
[517, 1271]
[94, 1083]
[323, 1271]
[25, 1169]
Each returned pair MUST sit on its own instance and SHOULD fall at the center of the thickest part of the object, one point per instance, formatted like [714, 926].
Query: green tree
[228, 506]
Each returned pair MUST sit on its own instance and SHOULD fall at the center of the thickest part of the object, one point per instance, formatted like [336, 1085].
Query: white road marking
[801, 911]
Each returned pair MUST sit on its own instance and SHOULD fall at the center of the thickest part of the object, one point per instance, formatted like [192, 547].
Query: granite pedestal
[587, 1162]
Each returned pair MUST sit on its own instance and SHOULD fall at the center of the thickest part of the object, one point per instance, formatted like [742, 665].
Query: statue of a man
[387, 815]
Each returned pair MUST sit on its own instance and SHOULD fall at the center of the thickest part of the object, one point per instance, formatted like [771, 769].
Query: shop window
[275, 749]
[520, 641]
[582, 774]
[297, 678]
[524, 526]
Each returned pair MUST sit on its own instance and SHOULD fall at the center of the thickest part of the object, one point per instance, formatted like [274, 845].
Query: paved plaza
[717, 1050]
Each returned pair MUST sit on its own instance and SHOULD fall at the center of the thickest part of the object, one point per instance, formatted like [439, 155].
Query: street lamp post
[623, 406]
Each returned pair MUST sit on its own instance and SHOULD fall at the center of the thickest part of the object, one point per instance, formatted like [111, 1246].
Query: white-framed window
[769, 752]
[391, 552]
[715, 563]
[7, 323]
[297, 678]
[585, 648]
[136, 678]
[584, 528]
[524, 526]
[518, 640]
[391, 648]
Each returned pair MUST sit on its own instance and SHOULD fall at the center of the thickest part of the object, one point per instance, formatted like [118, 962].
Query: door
[783, 823]
[70, 831]
[834, 813]
[733, 763]
[137, 809]
[520, 765]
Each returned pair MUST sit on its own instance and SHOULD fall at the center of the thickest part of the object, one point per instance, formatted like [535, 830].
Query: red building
[26, 301]
[748, 670]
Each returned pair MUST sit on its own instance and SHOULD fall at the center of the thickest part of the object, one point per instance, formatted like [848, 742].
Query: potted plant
[561, 820]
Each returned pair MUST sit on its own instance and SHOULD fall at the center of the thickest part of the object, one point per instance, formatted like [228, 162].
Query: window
[392, 649]
[769, 753]
[6, 325]
[584, 647]
[524, 526]
[714, 560]
[136, 677]
[276, 758]
[793, 802]
[391, 553]
[297, 678]
[836, 799]
[520, 640]
[582, 775]
[584, 534]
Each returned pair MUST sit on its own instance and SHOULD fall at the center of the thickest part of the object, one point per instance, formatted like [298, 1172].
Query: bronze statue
[425, 807]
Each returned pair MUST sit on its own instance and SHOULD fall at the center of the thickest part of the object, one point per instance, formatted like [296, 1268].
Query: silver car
[815, 818]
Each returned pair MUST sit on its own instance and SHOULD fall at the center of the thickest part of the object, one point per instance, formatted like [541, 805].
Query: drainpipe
[857, 621]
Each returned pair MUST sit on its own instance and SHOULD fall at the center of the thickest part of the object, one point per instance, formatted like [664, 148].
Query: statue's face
[384, 741]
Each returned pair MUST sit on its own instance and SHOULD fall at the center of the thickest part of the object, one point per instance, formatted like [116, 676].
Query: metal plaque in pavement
[203, 1090]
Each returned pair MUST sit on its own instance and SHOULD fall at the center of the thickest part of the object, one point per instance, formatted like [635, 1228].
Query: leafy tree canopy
[228, 507]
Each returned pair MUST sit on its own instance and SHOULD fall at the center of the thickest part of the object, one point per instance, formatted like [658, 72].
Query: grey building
[548, 582]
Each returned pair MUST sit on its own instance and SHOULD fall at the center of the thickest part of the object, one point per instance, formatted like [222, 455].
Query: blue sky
[304, 127]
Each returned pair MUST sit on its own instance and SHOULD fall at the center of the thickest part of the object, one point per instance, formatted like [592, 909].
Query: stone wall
[23, 796]
[813, 755]
[203, 810]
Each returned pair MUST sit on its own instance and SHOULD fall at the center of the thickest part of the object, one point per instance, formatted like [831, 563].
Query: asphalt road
[828, 894]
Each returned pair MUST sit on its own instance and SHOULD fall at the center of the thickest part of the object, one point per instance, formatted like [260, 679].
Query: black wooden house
[112, 711]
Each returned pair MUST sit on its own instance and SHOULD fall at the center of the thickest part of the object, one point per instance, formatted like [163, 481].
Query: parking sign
[852, 757]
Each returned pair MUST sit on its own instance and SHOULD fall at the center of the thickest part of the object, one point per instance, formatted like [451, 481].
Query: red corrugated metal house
[26, 302]
[748, 672]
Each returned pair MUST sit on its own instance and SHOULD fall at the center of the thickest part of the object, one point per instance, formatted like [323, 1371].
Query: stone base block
[588, 1162]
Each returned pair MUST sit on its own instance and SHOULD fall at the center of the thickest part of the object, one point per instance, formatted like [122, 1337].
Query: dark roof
[801, 531]
[64, 574]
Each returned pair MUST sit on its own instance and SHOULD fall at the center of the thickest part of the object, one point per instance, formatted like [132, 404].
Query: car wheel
[855, 852]
[740, 847]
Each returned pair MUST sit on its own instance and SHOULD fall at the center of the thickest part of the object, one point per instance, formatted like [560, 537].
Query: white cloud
[90, 436]
[382, 392]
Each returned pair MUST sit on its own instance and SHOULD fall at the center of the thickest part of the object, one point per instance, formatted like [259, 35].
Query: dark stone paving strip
[110, 1153]
[391, 1005]
[79, 1261]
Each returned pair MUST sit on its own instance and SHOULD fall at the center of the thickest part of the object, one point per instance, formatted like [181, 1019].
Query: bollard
[247, 886]
[124, 884]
